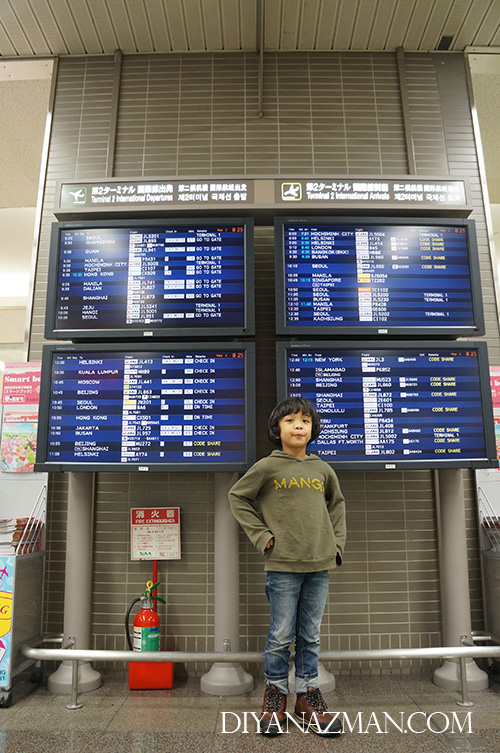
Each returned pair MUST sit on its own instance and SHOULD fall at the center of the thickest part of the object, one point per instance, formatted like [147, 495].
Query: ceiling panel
[345, 24]
[15, 31]
[158, 24]
[417, 24]
[102, 24]
[49, 27]
[434, 28]
[290, 24]
[363, 26]
[272, 17]
[212, 22]
[308, 24]
[489, 26]
[328, 13]
[85, 24]
[193, 19]
[139, 23]
[60, 27]
[399, 24]
[176, 26]
[30, 25]
[248, 14]
[71, 40]
[127, 17]
[7, 49]
[472, 22]
[231, 25]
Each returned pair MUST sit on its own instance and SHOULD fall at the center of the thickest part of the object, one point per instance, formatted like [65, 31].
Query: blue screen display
[127, 278]
[379, 275]
[376, 404]
[184, 407]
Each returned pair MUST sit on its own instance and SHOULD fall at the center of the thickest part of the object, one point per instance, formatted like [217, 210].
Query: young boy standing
[291, 508]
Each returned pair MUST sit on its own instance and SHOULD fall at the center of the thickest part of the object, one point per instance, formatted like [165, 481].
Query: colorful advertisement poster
[497, 435]
[495, 395]
[6, 594]
[155, 533]
[18, 443]
[21, 383]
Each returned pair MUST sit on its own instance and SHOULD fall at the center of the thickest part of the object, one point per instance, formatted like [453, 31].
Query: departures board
[377, 276]
[395, 405]
[137, 278]
[114, 407]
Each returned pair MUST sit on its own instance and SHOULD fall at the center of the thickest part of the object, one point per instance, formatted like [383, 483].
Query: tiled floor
[397, 714]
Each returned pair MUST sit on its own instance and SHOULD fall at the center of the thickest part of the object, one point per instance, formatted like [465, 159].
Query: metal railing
[70, 653]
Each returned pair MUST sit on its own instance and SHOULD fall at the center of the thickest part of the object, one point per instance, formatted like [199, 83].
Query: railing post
[74, 681]
[463, 676]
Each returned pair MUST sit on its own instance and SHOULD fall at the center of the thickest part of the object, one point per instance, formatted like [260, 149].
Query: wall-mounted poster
[21, 383]
[18, 443]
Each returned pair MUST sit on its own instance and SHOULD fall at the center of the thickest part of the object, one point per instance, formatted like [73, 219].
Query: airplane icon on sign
[79, 195]
[291, 191]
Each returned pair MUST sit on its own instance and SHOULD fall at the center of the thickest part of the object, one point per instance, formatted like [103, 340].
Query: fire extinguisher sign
[155, 533]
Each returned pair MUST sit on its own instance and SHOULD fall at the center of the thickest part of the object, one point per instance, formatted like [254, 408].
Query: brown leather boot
[312, 712]
[273, 711]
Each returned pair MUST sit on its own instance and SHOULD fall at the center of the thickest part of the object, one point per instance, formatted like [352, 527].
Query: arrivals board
[394, 405]
[108, 407]
[377, 276]
[150, 279]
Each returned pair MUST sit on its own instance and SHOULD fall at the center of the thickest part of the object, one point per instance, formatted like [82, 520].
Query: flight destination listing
[147, 407]
[392, 405]
[126, 278]
[377, 275]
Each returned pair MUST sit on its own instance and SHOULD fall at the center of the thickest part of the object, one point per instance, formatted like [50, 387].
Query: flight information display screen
[378, 276]
[112, 408]
[395, 406]
[155, 277]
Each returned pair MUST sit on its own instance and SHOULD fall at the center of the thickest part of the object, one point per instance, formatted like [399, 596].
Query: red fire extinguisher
[147, 622]
[147, 675]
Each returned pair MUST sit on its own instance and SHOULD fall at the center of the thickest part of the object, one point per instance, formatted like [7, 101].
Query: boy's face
[295, 433]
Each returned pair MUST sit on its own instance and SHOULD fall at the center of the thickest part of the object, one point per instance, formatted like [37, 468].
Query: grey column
[454, 580]
[225, 678]
[78, 583]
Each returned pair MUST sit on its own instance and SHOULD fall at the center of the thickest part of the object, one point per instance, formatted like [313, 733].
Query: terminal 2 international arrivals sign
[117, 196]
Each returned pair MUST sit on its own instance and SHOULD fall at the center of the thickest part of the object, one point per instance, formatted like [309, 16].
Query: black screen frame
[378, 330]
[153, 332]
[44, 465]
[490, 461]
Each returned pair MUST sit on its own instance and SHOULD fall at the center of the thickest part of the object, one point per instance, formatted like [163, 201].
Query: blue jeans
[297, 602]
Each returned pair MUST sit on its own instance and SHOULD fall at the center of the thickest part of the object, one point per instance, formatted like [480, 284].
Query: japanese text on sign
[155, 533]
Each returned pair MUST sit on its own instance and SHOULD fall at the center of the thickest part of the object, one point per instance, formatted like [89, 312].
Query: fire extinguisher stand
[226, 678]
[148, 675]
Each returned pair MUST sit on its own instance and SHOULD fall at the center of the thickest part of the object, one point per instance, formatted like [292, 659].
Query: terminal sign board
[113, 195]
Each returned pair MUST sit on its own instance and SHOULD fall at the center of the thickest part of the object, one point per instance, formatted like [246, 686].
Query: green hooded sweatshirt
[299, 503]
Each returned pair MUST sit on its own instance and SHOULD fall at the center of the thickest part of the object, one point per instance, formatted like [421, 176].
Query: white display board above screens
[164, 278]
[144, 407]
[394, 405]
[384, 276]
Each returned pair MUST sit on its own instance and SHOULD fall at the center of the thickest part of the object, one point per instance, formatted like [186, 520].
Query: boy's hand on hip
[270, 543]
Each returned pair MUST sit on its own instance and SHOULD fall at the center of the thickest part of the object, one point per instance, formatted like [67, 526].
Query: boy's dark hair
[288, 407]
